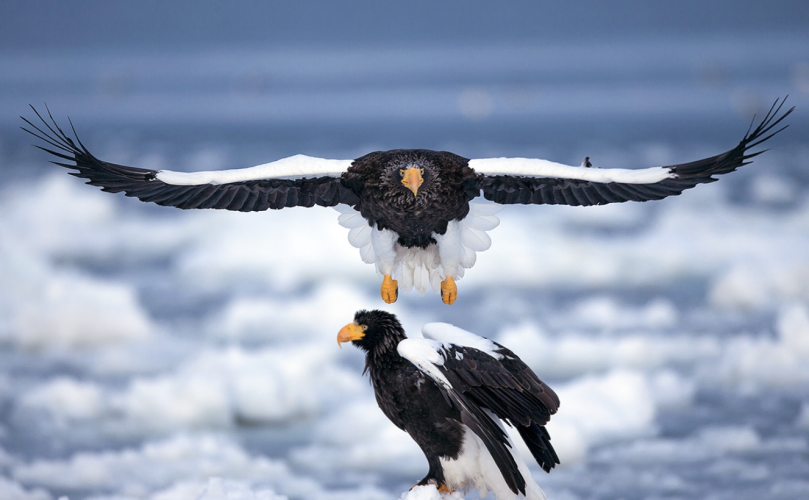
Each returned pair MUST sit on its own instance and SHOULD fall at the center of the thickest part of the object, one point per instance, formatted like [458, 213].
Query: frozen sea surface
[147, 352]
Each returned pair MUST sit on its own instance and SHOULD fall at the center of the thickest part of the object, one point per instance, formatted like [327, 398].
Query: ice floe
[180, 465]
[214, 389]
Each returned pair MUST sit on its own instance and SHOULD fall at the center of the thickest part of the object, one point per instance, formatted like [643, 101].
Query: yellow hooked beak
[351, 331]
[412, 178]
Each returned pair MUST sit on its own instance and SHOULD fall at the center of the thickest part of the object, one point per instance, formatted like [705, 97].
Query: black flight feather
[247, 196]
[508, 189]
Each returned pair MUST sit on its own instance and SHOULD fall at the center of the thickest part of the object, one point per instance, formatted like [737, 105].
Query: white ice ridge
[423, 268]
[532, 167]
[293, 167]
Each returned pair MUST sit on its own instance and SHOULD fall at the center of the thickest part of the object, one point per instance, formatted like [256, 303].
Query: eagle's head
[410, 176]
[373, 331]
[399, 176]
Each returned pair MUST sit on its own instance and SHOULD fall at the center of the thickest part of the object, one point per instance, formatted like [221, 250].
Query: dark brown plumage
[449, 186]
[481, 387]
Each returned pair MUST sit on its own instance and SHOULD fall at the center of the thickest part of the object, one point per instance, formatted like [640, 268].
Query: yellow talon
[449, 292]
[389, 290]
[444, 488]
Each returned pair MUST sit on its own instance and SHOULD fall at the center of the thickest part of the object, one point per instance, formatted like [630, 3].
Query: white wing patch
[450, 334]
[294, 167]
[425, 268]
[427, 355]
[532, 167]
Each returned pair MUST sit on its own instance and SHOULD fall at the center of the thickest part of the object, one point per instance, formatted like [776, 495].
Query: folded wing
[295, 181]
[485, 379]
[532, 181]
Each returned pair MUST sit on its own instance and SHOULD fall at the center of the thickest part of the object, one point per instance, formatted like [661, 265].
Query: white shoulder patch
[294, 167]
[532, 167]
[427, 355]
[450, 334]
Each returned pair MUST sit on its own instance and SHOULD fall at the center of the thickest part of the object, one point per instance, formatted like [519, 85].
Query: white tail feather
[476, 469]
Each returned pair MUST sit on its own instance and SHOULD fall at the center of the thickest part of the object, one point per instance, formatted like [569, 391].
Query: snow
[358, 437]
[429, 492]
[215, 389]
[577, 354]
[55, 307]
[159, 354]
[12, 490]
[5, 459]
[802, 421]
[66, 398]
[768, 362]
[753, 285]
[625, 361]
[281, 319]
[623, 402]
[732, 236]
[160, 464]
[238, 250]
[75, 311]
[607, 313]
[743, 359]
[706, 443]
[217, 489]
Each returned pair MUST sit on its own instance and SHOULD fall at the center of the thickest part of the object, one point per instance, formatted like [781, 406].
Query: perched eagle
[409, 210]
[449, 391]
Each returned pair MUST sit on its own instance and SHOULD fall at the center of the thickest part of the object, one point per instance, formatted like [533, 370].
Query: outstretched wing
[295, 181]
[532, 181]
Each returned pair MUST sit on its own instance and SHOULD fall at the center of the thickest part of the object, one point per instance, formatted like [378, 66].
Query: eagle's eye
[421, 171]
[364, 327]
[401, 173]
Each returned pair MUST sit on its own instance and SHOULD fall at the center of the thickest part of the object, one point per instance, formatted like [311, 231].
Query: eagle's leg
[389, 290]
[435, 475]
[449, 292]
[450, 251]
[384, 244]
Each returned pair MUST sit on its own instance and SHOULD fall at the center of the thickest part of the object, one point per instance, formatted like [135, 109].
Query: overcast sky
[47, 24]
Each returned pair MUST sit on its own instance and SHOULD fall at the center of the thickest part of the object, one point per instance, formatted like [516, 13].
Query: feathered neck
[383, 353]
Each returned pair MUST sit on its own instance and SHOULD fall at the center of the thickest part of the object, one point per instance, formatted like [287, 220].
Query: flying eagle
[449, 391]
[409, 211]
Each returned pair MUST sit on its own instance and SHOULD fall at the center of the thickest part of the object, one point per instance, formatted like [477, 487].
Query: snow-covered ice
[158, 354]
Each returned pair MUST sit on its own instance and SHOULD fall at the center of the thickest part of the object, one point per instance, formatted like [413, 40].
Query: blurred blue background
[146, 350]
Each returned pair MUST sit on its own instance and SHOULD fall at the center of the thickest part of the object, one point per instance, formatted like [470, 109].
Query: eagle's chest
[415, 218]
[414, 403]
